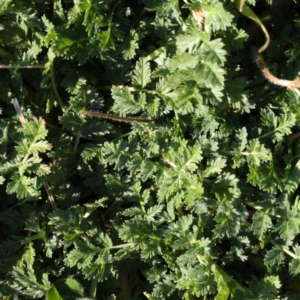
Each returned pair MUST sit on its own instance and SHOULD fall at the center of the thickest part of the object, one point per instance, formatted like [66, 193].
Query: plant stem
[77, 141]
[121, 246]
[55, 89]
[291, 254]
[93, 288]
[22, 67]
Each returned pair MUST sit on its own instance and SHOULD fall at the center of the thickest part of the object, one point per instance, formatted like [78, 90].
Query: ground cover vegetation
[185, 184]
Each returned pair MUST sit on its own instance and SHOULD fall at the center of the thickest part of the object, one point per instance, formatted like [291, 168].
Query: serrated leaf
[106, 40]
[39, 147]
[130, 46]
[26, 279]
[35, 130]
[265, 176]
[267, 288]
[257, 153]
[29, 255]
[182, 61]
[142, 73]
[274, 257]
[191, 156]
[214, 167]
[133, 211]
[216, 17]
[294, 267]
[278, 126]
[153, 211]
[293, 180]
[240, 140]
[239, 144]
[23, 187]
[124, 101]
[152, 106]
[212, 51]
[210, 75]
[182, 225]
[190, 40]
[261, 223]
[228, 220]
[289, 225]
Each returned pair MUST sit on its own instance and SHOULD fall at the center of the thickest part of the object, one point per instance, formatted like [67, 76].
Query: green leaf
[198, 279]
[293, 180]
[91, 259]
[35, 130]
[267, 288]
[26, 279]
[239, 144]
[69, 223]
[53, 294]
[261, 223]
[238, 37]
[225, 186]
[279, 126]
[29, 255]
[222, 284]
[183, 225]
[186, 159]
[288, 224]
[182, 61]
[189, 40]
[117, 153]
[35, 148]
[214, 167]
[212, 180]
[153, 211]
[23, 187]
[106, 40]
[216, 17]
[228, 220]
[153, 105]
[265, 176]
[58, 9]
[65, 289]
[257, 153]
[142, 73]
[16, 218]
[294, 265]
[125, 102]
[67, 42]
[130, 46]
[4, 5]
[212, 51]
[210, 75]
[4, 137]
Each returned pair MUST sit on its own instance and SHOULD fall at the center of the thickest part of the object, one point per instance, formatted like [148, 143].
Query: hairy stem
[114, 117]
